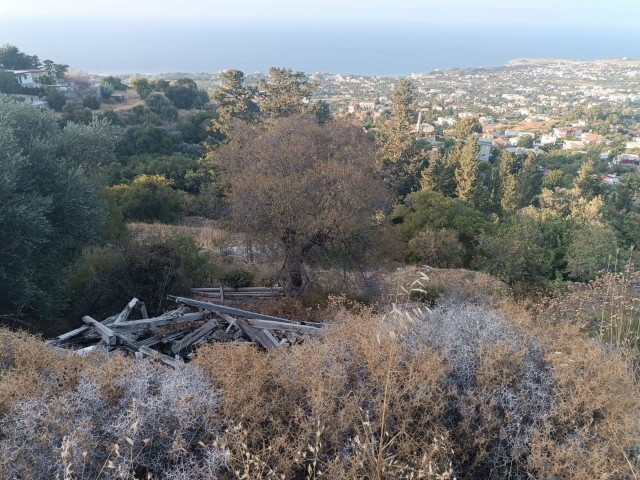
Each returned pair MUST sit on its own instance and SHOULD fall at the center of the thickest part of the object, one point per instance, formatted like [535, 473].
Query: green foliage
[234, 99]
[180, 169]
[322, 111]
[198, 264]
[467, 127]
[587, 183]
[401, 154]
[91, 145]
[11, 58]
[529, 181]
[184, 94]
[56, 99]
[148, 198]
[525, 142]
[555, 179]
[436, 248]
[76, 113]
[161, 106]
[112, 116]
[50, 210]
[9, 83]
[114, 83]
[468, 187]
[106, 91]
[91, 101]
[200, 126]
[426, 209]
[440, 176]
[142, 86]
[529, 248]
[146, 267]
[593, 248]
[146, 139]
[236, 277]
[46, 80]
[282, 95]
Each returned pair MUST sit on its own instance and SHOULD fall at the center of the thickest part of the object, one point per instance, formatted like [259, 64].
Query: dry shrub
[459, 284]
[379, 411]
[100, 416]
[607, 308]
[386, 396]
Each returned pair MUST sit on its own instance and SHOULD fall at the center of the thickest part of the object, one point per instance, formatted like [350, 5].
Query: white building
[547, 140]
[27, 78]
[485, 149]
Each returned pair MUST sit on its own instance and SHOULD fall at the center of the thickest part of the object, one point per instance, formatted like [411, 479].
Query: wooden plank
[143, 310]
[136, 325]
[124, 314]
[232, 311]
[194, 336]
[108, 336]
[253, 334]
[240, 289]
[230, 320]
[170, 337]
[267, 334]
[66, 336]
[285, 327]
[163, 358]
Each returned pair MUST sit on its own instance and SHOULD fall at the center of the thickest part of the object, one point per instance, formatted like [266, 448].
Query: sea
[350, 47]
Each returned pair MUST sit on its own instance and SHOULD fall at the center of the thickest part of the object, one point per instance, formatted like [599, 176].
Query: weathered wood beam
[108, 336]
[150, 352]
[187, 341]
[285, 327]
[124, 314]
[232, 311]
[66, 336]
[136, 325]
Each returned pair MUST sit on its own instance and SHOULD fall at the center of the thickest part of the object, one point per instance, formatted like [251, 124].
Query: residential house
[485, 149]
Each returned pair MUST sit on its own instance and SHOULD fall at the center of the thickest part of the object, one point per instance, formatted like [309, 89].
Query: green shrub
[147, 267]
[236, 277]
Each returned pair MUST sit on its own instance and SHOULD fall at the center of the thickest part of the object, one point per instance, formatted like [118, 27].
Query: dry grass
[458, 391]
[102, 417]
[608, 308]
[496, 395]
[209, 236]
[397, 286]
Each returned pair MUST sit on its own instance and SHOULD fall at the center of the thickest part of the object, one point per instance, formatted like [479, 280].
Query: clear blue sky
[605, 13]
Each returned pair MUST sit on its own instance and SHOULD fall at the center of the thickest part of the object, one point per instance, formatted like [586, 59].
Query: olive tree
[301, 186]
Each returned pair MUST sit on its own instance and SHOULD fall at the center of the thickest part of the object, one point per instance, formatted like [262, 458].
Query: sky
[571, 13]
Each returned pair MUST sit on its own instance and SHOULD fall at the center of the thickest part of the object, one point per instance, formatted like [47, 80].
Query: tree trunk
[293, 278]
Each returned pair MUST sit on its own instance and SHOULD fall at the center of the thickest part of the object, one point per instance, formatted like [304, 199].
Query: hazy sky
[604, 13]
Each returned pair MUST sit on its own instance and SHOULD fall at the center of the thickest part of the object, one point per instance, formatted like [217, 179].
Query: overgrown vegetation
[461, 391]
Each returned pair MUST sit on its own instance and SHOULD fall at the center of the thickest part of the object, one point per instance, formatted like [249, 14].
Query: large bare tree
[301, 185]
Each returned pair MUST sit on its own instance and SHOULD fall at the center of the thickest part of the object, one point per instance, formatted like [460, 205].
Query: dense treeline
[275, 163]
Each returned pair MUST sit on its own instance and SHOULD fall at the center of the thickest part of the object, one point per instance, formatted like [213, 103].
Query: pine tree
[585, 183]
[234, 99]
[439, 176]
[529, 181]
[284, 93]
[395, 137]
[468, 185]
[399, 151]
[506, 184]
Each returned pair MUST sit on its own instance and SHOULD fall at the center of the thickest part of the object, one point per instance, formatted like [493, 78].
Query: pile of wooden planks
[221, 293]
[173, 336]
